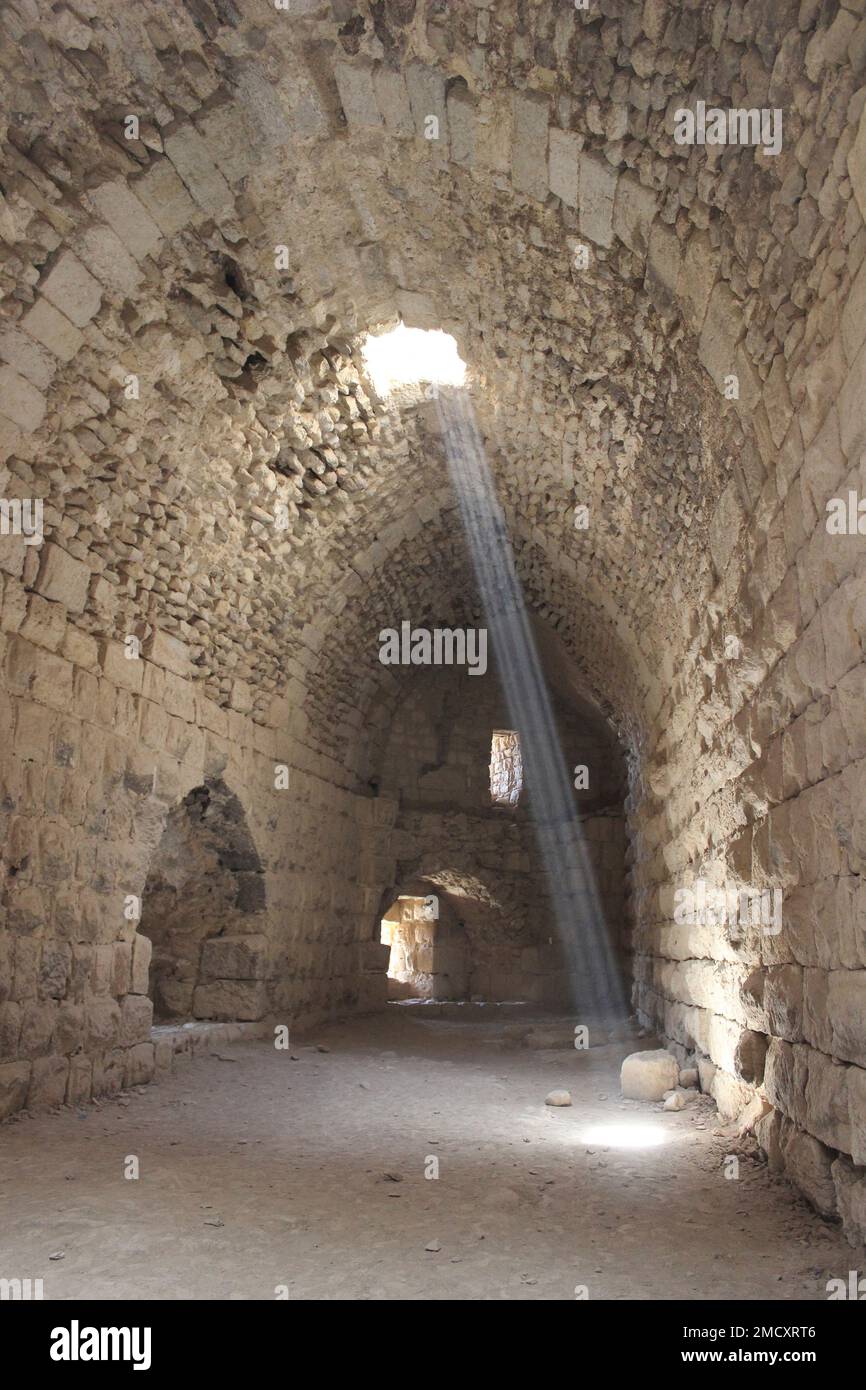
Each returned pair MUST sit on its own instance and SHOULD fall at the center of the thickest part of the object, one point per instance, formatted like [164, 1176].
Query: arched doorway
[429, 949]
[203, 910]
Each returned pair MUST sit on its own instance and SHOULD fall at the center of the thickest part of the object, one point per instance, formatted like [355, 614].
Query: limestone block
[851, 406]
[783, 1001]
[53, 330]
[530, 114]
[14, 1086]
[163, 1057]
[69, 1029]
[189, 154]
[857, 1112]
[732, 1096]
[853, 316]
[698, 274]
[23, 403]
[108, 259]
[48, 1082]
[27, 356]
[230, 999]
[850, 1184]
[723, 327]
[102, 1019]
[462, 122]
[235, 958]
[108, 1073]
[564, 165]
[54, 969]
[827, 1107]
[768, 1132]
[817, 1027]
[62, 578]
[647, 1075]
[392, 99]
[121, 971]
[357, 94]
[167, 651]
[426, 88]
[37, 1029]
[233, 139]
[857, 165]
[138, 1065]
[142, 949]
[72, 289]
[777, 400]
[11, 1018]
[664, 259]
[136, 1019]
[165, 197]
[846, 1006]
[633, 212]
[121, 669]
[128, 218]
[807, 1163]
[596, 199]
[79, 1086]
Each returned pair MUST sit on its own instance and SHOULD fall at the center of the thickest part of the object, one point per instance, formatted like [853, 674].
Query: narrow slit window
[506, 768]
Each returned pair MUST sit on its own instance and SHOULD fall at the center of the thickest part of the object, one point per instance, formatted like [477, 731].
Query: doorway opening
[428, 949]
[203, 909]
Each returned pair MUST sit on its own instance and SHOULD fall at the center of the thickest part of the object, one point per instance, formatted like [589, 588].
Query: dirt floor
[265, 1173]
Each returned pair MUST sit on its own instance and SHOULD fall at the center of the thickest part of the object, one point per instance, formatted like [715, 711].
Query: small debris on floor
[557, 1098]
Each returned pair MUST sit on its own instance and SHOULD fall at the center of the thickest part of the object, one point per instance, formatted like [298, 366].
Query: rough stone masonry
[205, 207]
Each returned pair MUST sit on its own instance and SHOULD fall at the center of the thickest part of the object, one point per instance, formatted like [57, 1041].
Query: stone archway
[203, 911]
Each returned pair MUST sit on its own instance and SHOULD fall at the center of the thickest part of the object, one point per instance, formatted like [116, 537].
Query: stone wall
[450, 836]
[183, 296]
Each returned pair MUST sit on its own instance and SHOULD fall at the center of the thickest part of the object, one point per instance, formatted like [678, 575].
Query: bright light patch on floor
[625, 1136]
[408, 356]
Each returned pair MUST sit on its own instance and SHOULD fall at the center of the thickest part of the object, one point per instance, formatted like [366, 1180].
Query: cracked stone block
[27, 357]
[633, 212]
[52, 329]
[62, 578]
[22, 402]
[164, 196]
[596, 199]
[723, 327]
[188, 153]
[392, 99]
[426, 88]
[530, 116]
[72, 289]
[462, 123]
[127, 217]
[564, 165]
[357, 93]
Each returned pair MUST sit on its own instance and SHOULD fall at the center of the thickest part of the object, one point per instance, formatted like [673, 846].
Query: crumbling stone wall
[255, 505]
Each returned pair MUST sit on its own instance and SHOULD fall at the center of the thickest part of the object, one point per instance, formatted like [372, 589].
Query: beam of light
[624, 1136]
[408, 356]
[596, 982]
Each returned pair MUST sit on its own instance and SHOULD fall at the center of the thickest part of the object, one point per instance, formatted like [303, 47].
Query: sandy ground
[261, 1169]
